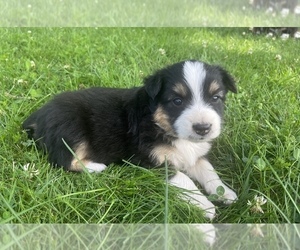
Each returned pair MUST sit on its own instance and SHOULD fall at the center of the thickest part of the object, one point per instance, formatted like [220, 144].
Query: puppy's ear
[228, 80]
[153, 84]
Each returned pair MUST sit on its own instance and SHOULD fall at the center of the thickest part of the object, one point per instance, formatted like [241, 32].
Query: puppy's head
[187, 99]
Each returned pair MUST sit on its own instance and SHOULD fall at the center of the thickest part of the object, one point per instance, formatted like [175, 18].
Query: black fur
[109, 120]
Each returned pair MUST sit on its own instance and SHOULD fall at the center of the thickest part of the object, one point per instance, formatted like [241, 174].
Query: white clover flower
[257, 203]
[162, 51]
[270, 34]
[260, 200]
[256, 230]
[285, 36]
[285, 12]
[30, 170]
[32, 64]
[270, 10]
[278, 57]
[26, 167]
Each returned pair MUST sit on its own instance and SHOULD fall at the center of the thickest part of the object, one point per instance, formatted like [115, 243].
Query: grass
[150, 13]
[258, 153]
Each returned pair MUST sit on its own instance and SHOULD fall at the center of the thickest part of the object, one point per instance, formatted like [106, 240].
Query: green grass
[150, 13]
[258, 153]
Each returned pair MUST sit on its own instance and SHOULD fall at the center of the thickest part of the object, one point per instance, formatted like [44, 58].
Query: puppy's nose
[201, 128]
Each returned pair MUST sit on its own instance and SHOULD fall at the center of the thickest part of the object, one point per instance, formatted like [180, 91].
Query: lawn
[137, 13]
[258, 153]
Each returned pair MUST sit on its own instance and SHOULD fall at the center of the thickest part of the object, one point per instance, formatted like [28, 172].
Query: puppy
[173, 117]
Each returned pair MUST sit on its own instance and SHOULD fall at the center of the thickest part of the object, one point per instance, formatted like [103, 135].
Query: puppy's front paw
[192, 194]
[199, 200]
[209, 232]
[229, 196]
[209, 211]
[223, 194]
[203, 203]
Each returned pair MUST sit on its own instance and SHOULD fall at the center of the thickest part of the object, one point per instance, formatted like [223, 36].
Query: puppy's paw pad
[93, 167]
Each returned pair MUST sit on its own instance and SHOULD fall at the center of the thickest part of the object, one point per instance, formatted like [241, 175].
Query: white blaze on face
[198, 112]
[194, 75]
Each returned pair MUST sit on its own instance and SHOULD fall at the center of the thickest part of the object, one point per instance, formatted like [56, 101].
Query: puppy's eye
[177, 101]
[216, 98]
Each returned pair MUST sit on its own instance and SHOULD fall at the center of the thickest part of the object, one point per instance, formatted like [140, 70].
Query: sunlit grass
[146, 13]
[258, 153]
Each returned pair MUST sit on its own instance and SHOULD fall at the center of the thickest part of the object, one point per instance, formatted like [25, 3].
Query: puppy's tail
[30, 125]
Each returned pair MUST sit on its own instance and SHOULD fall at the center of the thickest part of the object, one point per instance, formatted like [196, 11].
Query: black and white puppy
[173, 117]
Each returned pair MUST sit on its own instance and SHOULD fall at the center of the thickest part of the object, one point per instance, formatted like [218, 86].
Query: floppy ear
[228, 80]
[153, 84]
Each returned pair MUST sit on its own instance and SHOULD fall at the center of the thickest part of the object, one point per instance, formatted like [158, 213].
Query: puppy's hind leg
[93, 167]
[30, 125]
[86, 165]
[81, 162]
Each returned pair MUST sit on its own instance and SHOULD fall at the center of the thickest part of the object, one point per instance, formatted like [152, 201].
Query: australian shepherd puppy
[173, 117]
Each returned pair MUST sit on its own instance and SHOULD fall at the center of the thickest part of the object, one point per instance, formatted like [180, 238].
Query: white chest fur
[182, 154]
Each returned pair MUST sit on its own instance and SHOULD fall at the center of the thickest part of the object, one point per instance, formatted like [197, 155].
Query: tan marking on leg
[161, 153]
[80, 160]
